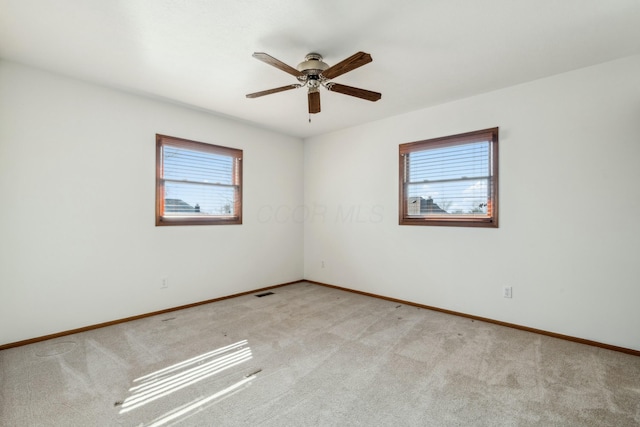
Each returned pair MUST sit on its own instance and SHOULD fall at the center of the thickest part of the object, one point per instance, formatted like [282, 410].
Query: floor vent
[264, 294]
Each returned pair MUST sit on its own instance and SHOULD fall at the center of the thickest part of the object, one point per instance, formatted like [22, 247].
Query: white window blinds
[197, 183]
[451, 180]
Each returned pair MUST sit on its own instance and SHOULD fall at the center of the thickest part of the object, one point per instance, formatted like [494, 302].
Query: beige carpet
[310, 355]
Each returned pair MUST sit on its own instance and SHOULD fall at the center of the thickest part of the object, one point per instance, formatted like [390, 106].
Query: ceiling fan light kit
[313, 73]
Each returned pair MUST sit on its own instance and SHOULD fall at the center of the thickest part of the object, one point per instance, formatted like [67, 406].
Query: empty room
[298, 213]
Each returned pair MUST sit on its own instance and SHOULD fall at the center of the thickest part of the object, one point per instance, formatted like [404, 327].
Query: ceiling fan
[313, 73]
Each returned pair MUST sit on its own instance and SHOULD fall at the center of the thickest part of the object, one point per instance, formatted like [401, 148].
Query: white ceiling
[425, 52]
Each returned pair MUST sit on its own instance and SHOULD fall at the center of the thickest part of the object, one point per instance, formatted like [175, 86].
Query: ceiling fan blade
[314, 102]
[270, 91]
[268, 59]
[351, 63]
[354, 91]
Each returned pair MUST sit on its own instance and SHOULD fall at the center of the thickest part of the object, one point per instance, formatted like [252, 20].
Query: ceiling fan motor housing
[312, 65]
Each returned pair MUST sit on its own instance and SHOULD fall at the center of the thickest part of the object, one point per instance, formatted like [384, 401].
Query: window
[197, 183]
[450, 181]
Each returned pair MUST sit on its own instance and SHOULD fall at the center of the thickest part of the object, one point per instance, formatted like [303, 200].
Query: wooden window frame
[161, 219]
[457, 220]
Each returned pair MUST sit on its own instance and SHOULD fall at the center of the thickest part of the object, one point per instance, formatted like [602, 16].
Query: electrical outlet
[321, 264]
[507, 292]
[164, 283]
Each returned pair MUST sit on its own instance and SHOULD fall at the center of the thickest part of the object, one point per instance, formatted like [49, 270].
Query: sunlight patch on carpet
[178, 376]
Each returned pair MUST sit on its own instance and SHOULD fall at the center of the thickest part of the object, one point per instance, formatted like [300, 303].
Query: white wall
[78, 245]
[569, 208]
[78, 241]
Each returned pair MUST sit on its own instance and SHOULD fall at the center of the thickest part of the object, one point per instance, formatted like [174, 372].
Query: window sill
[163, 221]
[450, 222]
